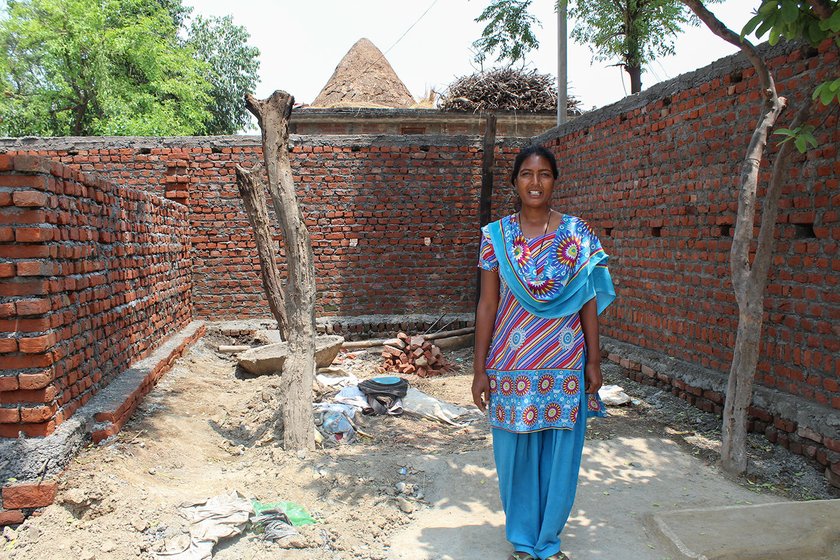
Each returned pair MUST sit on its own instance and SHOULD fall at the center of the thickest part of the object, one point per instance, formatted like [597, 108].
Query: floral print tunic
[535, 364]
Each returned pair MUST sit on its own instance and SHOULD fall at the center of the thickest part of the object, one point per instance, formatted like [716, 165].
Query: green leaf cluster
[110, 67]
[508, 30]
[232, 70]
[629, 32]
[793, 20]
[828, 92]
[801, 136]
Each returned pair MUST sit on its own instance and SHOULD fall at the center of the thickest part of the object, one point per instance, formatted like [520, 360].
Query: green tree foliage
[105, 67]
[232, 68]
[508, 30]
[629, 32]
[813, 21]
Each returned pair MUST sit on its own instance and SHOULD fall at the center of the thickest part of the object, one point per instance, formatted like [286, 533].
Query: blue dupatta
[574, 272]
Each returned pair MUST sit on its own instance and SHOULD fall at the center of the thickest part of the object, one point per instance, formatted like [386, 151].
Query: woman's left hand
[592, 377]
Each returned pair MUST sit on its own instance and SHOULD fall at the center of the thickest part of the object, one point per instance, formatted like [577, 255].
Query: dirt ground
[205, 431]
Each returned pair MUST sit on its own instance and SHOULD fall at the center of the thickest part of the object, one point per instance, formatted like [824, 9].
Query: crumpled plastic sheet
[423, 405]
[352, 396]
[275, 524]
[218, 518]
[342, 381]
[340, 408]
[334, 421]
[613, 395]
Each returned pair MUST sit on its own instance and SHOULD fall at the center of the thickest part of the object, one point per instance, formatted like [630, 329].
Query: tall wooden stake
[252, 190]
[485, 201]
[299, 299]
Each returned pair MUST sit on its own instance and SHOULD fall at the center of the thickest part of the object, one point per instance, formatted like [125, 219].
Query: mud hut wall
[393, 218]
[92, 277]
[657, 177]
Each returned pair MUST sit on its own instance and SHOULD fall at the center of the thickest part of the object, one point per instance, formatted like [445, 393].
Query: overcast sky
[428, 43]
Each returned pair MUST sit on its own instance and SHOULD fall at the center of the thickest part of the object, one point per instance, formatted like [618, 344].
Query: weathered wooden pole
[299, 297]
[252, 190]
[485, 201]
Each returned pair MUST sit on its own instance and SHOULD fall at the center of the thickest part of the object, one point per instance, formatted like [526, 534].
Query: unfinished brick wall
[393, 220]
[658, 180]
[92, 277]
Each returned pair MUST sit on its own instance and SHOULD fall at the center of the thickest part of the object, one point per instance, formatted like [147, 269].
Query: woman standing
[544, 280]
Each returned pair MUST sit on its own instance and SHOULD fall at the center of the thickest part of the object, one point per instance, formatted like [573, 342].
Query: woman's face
[535, 182]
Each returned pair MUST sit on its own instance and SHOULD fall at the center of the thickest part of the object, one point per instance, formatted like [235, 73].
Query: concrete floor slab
[802, 530]
[623, 483]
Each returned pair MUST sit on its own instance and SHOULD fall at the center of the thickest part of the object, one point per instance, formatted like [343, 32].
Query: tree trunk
[733, 452]
[750, 279]
[299, 370]
[751, 310]
[635, 78]
[252, 190]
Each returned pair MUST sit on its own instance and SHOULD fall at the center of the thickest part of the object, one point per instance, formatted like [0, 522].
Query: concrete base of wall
[357, 328]
[35, 463]
[803, 427]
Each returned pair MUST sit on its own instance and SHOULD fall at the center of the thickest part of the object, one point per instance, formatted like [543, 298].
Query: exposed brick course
[28, 495]
[101, 276]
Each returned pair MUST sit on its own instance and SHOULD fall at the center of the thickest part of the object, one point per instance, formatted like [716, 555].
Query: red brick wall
[658, 180]
[656, 174]
[92, 277]
[393, 220]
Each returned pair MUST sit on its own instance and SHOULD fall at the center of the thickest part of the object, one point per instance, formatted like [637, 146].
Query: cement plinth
[802, 530]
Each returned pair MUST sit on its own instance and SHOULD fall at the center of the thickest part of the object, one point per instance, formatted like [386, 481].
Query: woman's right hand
[481, 389]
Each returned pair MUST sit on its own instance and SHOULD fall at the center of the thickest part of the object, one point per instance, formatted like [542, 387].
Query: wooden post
[485, 201]
[299, 298]
[252, 190]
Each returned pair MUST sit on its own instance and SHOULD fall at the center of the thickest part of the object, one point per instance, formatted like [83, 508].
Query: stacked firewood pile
[505, 89]
[413, 354]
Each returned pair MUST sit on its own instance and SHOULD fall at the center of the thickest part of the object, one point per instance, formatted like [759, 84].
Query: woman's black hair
[533, 150]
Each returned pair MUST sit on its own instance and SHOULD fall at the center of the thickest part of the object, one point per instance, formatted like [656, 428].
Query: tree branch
[770, 205]
[719, 28]
[252, 190]
[773, 106]
[821, 7]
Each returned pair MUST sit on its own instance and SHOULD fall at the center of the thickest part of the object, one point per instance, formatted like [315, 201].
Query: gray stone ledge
[388, 321]
[27, 459]
[819, 418]
[84, 143]
[377, 113]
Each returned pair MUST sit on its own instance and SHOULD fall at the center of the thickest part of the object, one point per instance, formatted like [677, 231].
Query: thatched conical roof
[364, 78]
